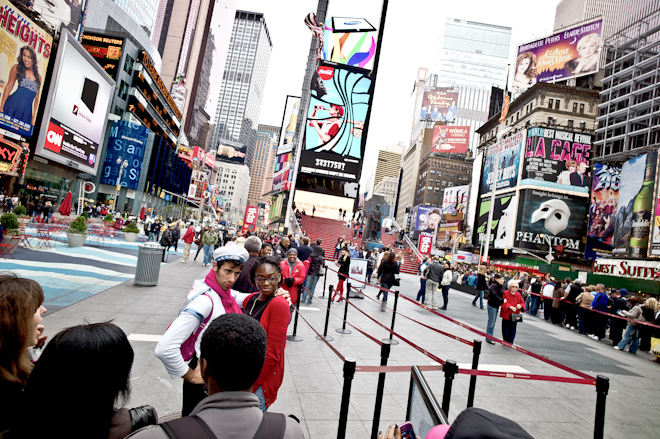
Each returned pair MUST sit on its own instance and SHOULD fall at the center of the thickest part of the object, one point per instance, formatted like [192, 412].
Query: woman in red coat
[273, 314]
[513, 304]
[294, 273]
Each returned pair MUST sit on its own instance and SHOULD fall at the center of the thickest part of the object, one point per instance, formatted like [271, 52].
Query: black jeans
[509, 330]
[192, 393]
[547, 308]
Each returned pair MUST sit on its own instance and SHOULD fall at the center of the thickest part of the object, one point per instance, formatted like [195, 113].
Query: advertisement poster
[566, 54]
[502, 224]
[349, 41]
[426, 220]
[510, 151]
[358, 270]
[634, 206]
[451, 139]
[547, 219]
[335, 120]
[654, 248]
[76, 110]
[604, 200]
[425, 244]
[69, 12]
[26, 49]
[13, 157]
[557, 159]
[439, 104]
[327, 206]
[105, 49]
[447, 231]
[250, 219]
[281, 172]
[289, 121]
[127, 141]
[454, 202]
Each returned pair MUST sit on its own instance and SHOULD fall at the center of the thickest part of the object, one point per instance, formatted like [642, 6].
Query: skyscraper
[262, 158]
[239, 102]
[569, 12]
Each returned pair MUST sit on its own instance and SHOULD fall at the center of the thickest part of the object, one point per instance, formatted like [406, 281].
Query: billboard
[327, 206]
[335, 120]
[426, 219]
[250, 218]
[654, 248]
[70, 13]
[425, 244]
[551, 220]
[347, 41]
[454, 202]
[566, 54]
[451, 139]
[447, 231]
[127, 141]
[105, 49]
[557, 159]
[77, 108]
[510, 152]
[13, 157]
[604, 200]
[439, 104]
[290, 118]
[26, 49]
[501, 226]
[282, 172]
[634, 207]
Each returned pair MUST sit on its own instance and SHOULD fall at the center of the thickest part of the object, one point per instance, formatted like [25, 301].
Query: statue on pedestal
[373, 225]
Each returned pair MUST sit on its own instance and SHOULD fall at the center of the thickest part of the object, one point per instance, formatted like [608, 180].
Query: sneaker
[568, 326]
[474, 304]
[572, 328]
[490, 342]
[616, 347]
[444, 308]
[434, 307]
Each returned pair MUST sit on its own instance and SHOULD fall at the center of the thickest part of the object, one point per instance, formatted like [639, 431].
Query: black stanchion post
[384, 355]
[349, 373]
[396, 303]
[602, 387]
[327, 319]
[343, 329]
[476, 351]
[451, 369]
[295, 337]
[325, 279]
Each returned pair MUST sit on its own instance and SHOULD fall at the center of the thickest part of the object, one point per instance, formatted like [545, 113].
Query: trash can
[148, 264]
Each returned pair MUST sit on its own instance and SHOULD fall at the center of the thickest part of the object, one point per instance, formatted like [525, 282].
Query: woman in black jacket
[316, 261]
[482, 286]
[495, 298]
[386, 275]
[344, 262]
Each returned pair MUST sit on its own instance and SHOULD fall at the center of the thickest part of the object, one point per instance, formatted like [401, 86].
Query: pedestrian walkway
[313, 376]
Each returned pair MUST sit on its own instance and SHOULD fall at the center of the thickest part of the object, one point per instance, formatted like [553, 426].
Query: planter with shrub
[76, 234]
[131, 232]
[10, 227]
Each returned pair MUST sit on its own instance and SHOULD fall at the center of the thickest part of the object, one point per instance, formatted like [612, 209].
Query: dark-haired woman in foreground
[272, 312]
[83, 372]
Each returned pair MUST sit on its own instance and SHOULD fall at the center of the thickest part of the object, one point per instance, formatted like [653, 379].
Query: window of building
[575, 107]
[583, 125]
[128, 65]
[569, 123]
[123, 90]
[581, 108]
[551, 120]
[118, 111]
[550, 102]
[557, 101]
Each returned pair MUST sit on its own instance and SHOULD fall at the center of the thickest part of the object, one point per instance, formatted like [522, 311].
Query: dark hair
[633, 300]
[498, 276]
[391, 257]
[266, 244]
[20, 298]
[319, 241]
[20, 67]
[271, 260]
[239, 338]
[85, 368]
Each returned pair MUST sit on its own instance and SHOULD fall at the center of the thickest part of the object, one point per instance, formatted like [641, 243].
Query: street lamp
[122, 165]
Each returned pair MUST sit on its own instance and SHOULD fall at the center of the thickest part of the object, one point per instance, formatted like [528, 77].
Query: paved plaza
[313, 376]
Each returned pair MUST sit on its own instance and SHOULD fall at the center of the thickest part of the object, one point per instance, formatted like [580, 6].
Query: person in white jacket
[207, 300]
[446, 283]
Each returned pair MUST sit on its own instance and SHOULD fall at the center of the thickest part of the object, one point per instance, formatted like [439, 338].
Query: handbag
[322, 270]
[396, 283]
[516, 318]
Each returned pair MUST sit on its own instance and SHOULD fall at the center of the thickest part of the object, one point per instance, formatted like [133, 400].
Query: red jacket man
[188, 238]
[293, 273]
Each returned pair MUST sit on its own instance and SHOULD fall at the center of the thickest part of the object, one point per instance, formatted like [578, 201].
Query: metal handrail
[408, 241]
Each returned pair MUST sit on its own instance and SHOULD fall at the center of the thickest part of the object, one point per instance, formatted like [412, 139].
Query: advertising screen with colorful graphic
[566, 54]
[510, 152]
[451, 139]
[551, 220]
[455, 202]
[282, 172]
[426, 219]
[250, 218]
[26, 49]
[654, 248]
[289, 121]
[127, 141]
[77, 108]
[13, 157]
[105, 49]
[602, 210]
[425, 244]
[501, 226]
[439, 104]
[557, 159]
[335, 121]
[349, 41]
[447, 232]
[635, 206]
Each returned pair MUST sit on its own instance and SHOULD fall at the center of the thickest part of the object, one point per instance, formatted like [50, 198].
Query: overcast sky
[413, 31]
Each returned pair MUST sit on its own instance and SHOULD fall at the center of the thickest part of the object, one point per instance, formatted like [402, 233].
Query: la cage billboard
[564, 55]
[335, 120]
[451, 139]
[288, 127]
[27, 52]
[439, 104]
[77, 108]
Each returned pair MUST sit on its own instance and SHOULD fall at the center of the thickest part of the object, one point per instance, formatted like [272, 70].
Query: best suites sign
[647, 270]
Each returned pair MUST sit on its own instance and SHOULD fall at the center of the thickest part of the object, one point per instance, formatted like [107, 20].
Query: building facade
[263, 156]
[387, 187]
[233, 182]
[388, 164]
[239, 102]
[438, 173]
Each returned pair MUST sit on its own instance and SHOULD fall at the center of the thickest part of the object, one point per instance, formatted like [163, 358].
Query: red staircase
[329, 230]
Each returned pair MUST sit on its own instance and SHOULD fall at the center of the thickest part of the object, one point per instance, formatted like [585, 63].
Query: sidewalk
[313, 374]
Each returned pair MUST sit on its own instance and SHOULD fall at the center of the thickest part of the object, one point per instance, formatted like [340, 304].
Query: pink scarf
[227, 300]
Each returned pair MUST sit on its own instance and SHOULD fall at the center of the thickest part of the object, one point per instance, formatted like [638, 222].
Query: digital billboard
[77, 108]
[70, 13]
[501, 226]
[451, 139]
[635, 206]
[602, 210]
[327, 206]
[454, 202]
[566, 54]
[288, 127]
[127, 141]
[282, 172]
[447, 231]
[426, 219]
[510, 151]
[348, 41]
[335, 120]
[13, 157]
[551, 220]
[439, 104]
[557, 159]
[26, 49]
[105, 49]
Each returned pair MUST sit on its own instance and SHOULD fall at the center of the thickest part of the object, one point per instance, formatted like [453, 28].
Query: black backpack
[272, 426]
